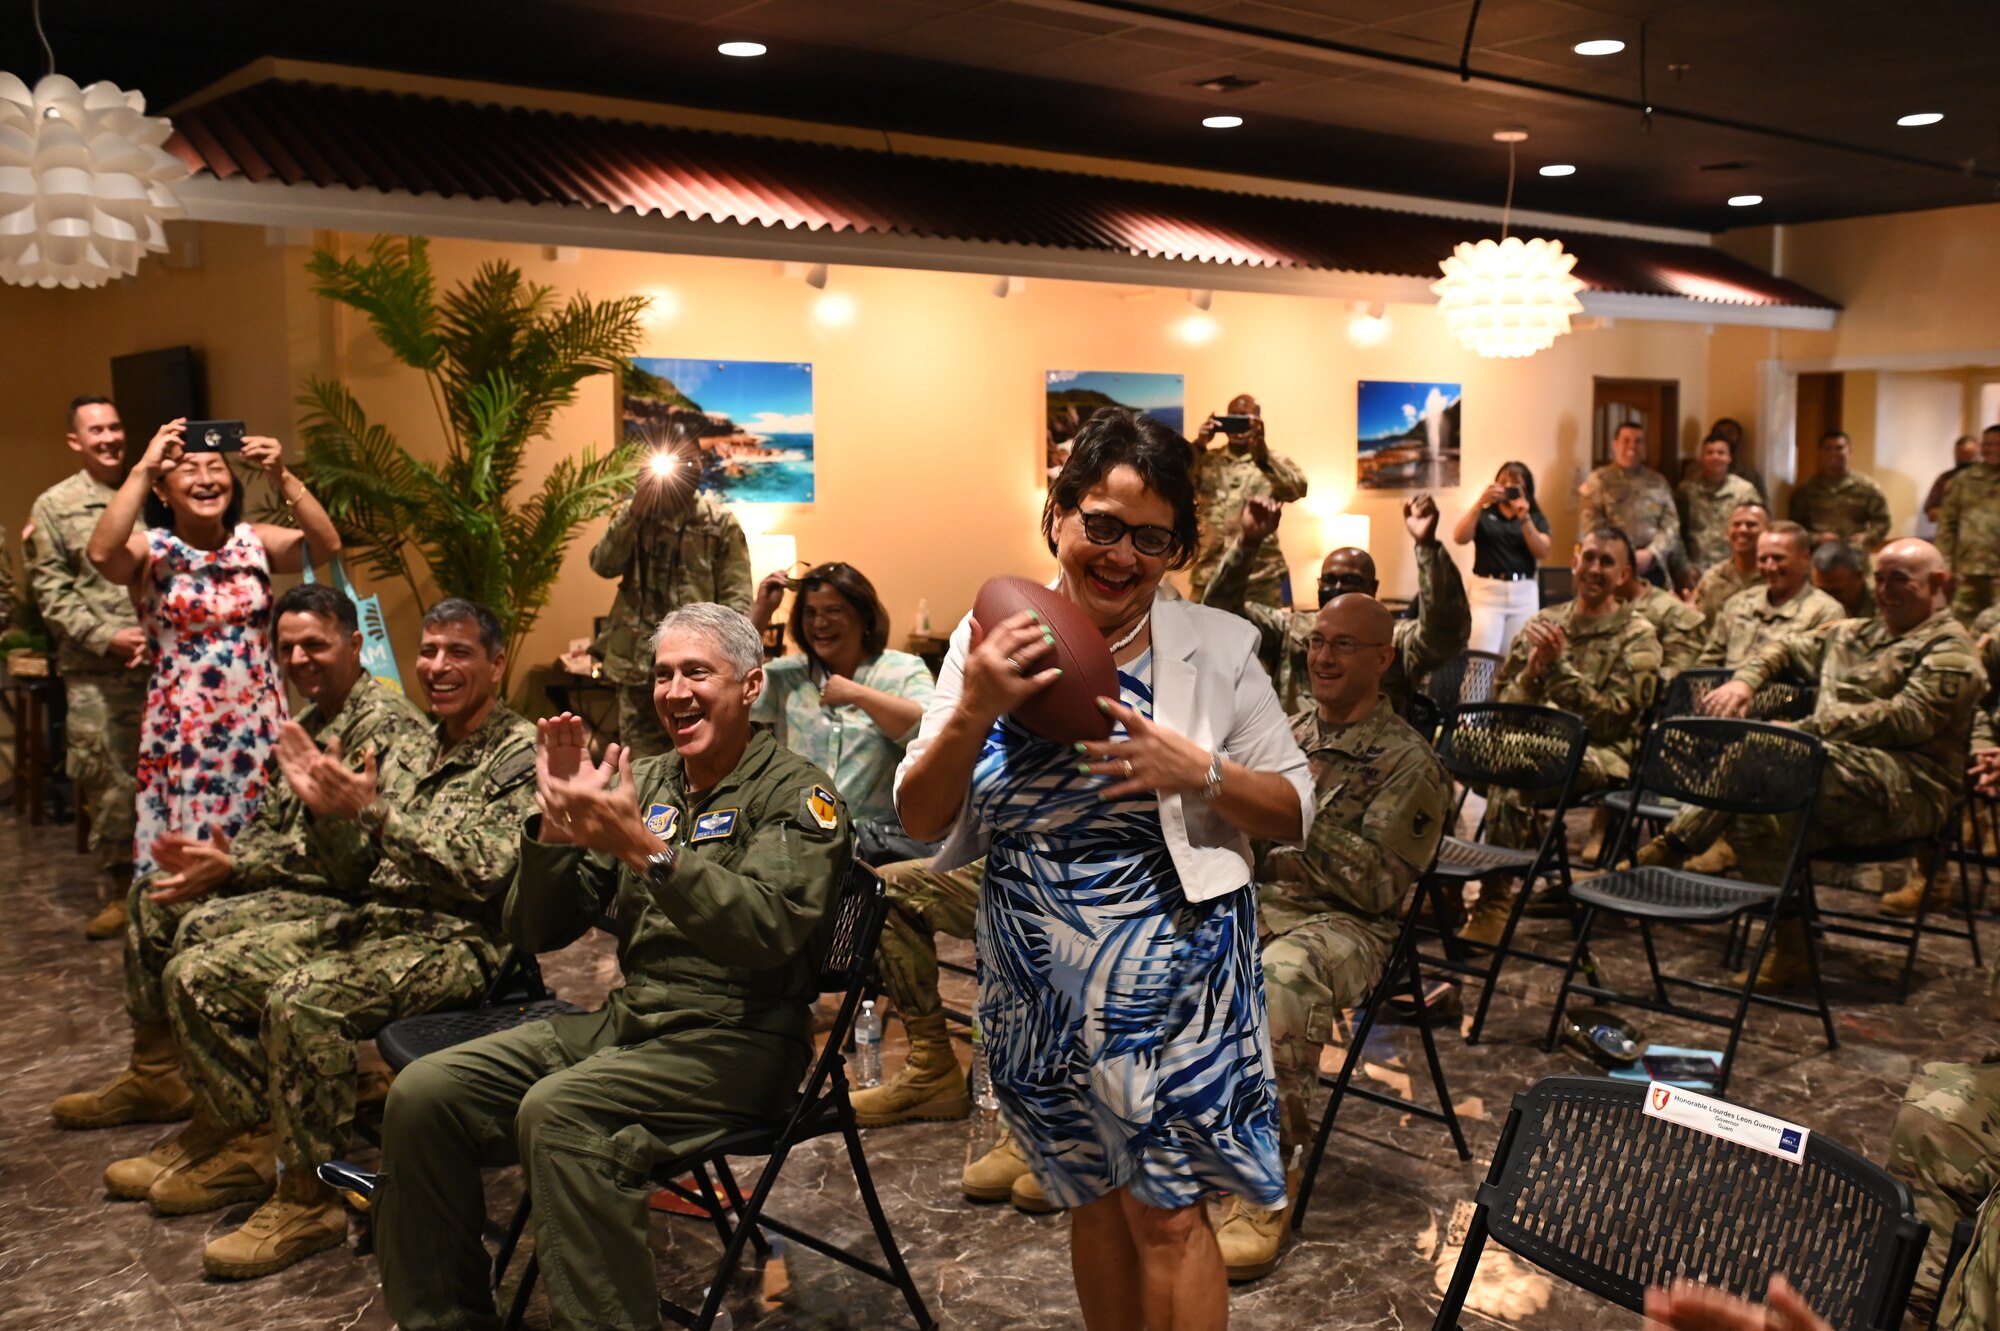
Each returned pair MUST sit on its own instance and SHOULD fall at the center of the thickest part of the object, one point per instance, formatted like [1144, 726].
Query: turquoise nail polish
[1083, 769]
[1081, 747]
[1048, 637]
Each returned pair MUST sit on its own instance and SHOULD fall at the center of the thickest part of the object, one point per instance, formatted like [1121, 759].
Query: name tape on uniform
[1719, 1118]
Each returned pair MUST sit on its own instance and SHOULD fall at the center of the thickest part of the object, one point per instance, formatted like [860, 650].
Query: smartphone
[1681, 1067]
[213, 437]
[1512, 493]
[1233, 424]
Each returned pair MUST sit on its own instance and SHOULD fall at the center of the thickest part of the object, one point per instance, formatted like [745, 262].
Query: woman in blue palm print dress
[1120, 991]
[202, 580]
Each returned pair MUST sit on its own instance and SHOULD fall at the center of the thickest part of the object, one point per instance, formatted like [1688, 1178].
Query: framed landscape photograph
[755, 417]
[1074, 394]
[1408, 435]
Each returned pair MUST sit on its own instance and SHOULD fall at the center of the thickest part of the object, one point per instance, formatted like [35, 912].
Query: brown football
[1066, 711]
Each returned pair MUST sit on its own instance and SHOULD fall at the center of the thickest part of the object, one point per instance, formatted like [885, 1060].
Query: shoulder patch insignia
[714, 826]
[510, 770]
[661, 819]
[822, 808]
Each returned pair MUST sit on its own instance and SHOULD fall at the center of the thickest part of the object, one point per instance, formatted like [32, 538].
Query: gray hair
[1837, 555]
[730, 630]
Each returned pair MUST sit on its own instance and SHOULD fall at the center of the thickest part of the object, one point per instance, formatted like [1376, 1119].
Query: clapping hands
[323, 783]
[585, 801]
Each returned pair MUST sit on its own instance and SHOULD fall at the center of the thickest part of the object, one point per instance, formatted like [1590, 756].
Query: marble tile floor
[1376, 1249]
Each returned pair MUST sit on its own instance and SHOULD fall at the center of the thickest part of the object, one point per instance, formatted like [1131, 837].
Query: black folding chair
[1400, 974]
[1467, 677]
[1682, 698]
[1733, 767]
[1424, 716]
[514, 997]
[822, 1110]
[1589, 1187]
[1512, 746]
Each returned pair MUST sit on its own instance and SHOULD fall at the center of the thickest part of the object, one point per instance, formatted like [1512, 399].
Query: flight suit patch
[714, 826]
[822, 808]
[661, 820]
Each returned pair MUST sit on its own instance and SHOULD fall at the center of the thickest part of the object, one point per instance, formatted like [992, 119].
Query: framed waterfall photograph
[1408, 435]
[755, 419]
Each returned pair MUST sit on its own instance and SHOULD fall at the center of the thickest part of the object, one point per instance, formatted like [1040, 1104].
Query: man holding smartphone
[1227, 478]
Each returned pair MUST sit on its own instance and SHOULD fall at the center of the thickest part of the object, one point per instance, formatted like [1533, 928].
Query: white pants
[1499, 609]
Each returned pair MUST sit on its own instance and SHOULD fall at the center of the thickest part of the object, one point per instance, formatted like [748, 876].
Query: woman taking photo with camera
[201, 577]
[1509, 539]
[1120, 988]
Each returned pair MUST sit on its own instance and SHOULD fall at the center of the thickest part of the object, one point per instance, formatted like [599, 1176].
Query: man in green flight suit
[273, 871]
[721, 865]
[100, 649]
[1439, 632]
[267, 1017]
[668, 545]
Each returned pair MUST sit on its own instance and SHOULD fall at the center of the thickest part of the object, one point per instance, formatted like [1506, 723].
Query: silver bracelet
[1212, 782]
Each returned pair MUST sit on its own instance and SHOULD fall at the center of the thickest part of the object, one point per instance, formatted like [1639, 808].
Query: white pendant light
[83, 181]
[1508, 297]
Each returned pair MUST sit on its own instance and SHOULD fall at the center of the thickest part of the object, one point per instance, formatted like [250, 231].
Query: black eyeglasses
[1339, 584]
[1103, 529]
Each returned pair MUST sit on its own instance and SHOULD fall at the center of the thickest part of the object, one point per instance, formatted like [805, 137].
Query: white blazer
[1207, 685]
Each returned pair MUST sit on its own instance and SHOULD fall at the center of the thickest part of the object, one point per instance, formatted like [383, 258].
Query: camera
[1233, 424]
[212, 437]
[1512, 493]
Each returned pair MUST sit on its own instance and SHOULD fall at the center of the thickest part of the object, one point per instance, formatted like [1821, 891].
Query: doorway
[1653, 403]
[1819, 408]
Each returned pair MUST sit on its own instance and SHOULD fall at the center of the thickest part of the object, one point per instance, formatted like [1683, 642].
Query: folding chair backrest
[848, 969]
[1684, 695]
[1467, 677]
[1517, 746]
[1424, 716]
[1590, 1187]
[1748, 767]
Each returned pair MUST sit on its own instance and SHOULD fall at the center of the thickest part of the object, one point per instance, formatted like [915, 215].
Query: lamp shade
[1510, 297]
[83, 182]
[772, 554]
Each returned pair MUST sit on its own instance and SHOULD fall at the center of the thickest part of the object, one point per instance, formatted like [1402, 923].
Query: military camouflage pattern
[1705, 514]
[1986, 720]
[1721, 582]
[1749, 622]
[82, 610]
[710, 1032]
[923, 903]
[102, 758]
[1680, 627]
[662, 563]
[1439, 632]
[1946, 1146]
[1968, 535]
[639, 727]
[1327, 910]
[1225, 480]
[1609, 677]
[155, 934]
[9, 586]
[1853, 507]
[1637, 502]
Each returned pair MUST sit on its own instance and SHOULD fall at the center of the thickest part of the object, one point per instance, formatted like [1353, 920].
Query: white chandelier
[1511, 297]
[83, 181]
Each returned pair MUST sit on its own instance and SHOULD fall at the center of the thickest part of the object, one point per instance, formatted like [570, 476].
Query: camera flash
[662, 464]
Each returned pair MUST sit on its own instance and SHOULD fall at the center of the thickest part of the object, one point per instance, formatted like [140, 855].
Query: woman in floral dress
[201, 577]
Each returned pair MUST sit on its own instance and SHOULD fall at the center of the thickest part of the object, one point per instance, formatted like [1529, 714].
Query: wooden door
[1819, 411]
[1653, 403]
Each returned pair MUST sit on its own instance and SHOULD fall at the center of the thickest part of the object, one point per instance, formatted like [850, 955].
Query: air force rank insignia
[714, 826]
[661, 819]
[820, 804]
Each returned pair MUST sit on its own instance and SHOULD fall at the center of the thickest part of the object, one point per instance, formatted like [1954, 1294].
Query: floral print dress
[215, 704]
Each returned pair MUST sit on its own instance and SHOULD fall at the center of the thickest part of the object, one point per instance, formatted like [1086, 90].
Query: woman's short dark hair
[1527, 482]
[858, 592]
[159, 513]
[1115, 437]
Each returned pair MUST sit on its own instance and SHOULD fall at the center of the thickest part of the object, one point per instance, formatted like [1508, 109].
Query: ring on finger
[1019, 669]
[1128, 768]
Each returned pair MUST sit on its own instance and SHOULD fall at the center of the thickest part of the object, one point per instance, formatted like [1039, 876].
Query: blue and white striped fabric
[1124, 1025]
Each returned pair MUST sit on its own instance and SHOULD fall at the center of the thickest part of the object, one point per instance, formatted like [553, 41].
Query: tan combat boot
[1027, 1195]
[1902, 902]
[1786, 964]
[149, 1090]
[930, 1086]
[1490, 912]
[1660, 851]
[243, 1168]
[133, 1179]
[304, 1217]
[109, 922]
[992, 1176]
[1251, 1238]
[1716, 861]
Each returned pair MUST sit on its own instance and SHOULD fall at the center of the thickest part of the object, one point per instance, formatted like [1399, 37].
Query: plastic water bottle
[868, 1046]
[923, 622]
[983, 1133]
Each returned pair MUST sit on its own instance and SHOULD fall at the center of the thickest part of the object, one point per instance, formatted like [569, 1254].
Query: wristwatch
[1212, 783]
[660, 864]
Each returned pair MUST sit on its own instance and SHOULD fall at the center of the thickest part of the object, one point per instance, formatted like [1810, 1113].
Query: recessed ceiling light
[1559, 169]
[1745, 200]
[1221, 122]
[741, 48]
[1920, 118]
[1600, 46]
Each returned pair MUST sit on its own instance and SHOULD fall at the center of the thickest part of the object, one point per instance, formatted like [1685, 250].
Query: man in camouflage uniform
[99, 647]
[267, 1017]
[1627, 494]
[668, 545]
[721, 866]
[273, 871]
[1708, 499]
[1895, 707]
[1738, 573]
[1592, 656]
[1439, 632]
[1227, 478]
[1841, 571]
[1946, 1145]
[1969, 530]
[1840, 504]
[1328, 911]
[1680, 627]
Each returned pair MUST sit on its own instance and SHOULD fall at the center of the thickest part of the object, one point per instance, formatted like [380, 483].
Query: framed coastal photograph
[1408, 435]
[1073, 395]
[756, 421]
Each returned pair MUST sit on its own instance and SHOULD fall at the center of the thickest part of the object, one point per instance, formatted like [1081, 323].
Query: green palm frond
[393, 287]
